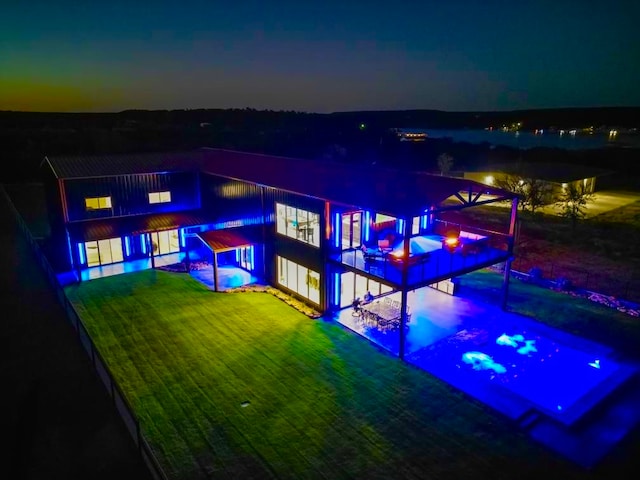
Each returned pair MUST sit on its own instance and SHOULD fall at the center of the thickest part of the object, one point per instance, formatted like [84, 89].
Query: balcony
[432, 258]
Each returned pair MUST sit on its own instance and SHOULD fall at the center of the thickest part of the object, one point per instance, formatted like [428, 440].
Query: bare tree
[573, 202]
[513, 183]
[532, 191]
[445, 163]
[535, 192]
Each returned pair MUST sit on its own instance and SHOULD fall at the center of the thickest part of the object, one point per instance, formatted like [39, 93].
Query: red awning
[229, 239]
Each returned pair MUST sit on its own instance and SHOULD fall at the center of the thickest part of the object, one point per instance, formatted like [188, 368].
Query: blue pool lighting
[545, 372]
[482, 361]
[515, 341]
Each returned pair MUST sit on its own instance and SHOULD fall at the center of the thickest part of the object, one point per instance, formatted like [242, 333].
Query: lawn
[240, 385]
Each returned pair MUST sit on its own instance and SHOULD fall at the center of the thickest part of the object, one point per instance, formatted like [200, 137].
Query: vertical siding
[130, 194]
[230, 201]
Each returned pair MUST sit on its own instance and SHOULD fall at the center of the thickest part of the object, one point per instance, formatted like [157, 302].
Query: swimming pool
[555, 378]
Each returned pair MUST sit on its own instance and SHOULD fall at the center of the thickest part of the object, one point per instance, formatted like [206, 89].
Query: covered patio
[233, 255]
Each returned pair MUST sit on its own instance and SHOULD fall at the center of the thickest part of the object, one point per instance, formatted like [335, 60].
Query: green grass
[324, 403]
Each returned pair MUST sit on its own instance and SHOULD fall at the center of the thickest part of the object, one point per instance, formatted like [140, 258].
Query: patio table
[383, 313]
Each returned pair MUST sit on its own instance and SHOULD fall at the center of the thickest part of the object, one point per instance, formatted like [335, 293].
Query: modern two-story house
[324, 232]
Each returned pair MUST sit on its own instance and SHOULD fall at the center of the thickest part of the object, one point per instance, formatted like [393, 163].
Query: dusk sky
[71, 56]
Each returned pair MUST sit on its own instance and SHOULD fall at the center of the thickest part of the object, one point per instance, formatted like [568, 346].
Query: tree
[445, 163]
[513, 183]
[573, 201]
[532, 191]
[535, 192]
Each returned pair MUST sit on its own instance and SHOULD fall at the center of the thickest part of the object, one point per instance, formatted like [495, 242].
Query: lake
[526, 140]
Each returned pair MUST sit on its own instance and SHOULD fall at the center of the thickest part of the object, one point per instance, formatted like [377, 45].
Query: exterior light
[489, 179]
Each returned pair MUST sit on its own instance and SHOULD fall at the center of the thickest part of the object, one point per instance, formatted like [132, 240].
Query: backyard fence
[102, 370]
[627, 288]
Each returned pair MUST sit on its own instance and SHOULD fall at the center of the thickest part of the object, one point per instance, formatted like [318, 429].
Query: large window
[167, 241]
[97, 203]
[300, 279]
[353, 285]
[299, 224]
[104, 252]
[160, 197]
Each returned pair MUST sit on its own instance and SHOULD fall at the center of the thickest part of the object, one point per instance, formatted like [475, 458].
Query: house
[298, 224]
[555, 177]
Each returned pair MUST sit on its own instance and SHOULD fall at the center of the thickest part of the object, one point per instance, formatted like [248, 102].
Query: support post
[512, 241]
[187, 259]
[404, 282]
[215, 272]
[150, 247]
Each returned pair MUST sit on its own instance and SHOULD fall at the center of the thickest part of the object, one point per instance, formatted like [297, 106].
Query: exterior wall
[56, 246]
[130, 194]
[299, 252]
[231, 202]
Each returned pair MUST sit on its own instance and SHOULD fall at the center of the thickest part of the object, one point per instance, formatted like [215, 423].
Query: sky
[325, 56]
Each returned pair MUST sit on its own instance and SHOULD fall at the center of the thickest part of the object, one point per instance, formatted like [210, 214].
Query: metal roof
[91, 166]
[386, 190]
[228, 239]
[87, 231]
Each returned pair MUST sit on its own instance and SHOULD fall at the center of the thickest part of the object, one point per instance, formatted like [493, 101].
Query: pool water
[552, 375]
[549, 375]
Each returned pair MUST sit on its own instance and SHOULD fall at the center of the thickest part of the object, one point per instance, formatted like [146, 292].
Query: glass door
[104, 252]
[351, 230]
[167, 241]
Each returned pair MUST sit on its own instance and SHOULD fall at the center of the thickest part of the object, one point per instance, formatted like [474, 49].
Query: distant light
[363, 126]
[489, 179]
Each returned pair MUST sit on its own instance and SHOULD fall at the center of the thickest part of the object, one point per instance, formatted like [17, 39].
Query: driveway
[603, 201]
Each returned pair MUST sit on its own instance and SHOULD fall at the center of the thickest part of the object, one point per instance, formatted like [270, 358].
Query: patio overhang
[220, 241]
[229, 239]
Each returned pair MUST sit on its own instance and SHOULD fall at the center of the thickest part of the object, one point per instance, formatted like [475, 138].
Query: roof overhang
[92, 230]
[228, 239]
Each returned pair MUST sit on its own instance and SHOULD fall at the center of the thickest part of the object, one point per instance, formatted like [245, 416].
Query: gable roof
[386, 190]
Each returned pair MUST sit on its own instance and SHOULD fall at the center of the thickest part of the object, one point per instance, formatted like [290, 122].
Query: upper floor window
[97, 203]
[160, 197]
[299, 224]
